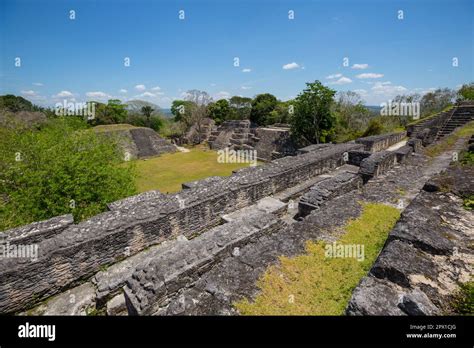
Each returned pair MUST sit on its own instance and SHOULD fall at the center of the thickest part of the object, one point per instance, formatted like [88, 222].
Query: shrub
[61, 168]
[375, 127]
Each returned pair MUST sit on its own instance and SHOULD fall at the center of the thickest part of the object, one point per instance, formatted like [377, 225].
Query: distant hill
[135, 106]
[374, 108]
[167, 112]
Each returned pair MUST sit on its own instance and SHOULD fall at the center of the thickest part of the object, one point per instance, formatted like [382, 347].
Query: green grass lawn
[167, 172]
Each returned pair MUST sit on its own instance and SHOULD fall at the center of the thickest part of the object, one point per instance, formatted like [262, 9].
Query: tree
[199, 108]
[111, 113]
[219, 111]
[181, 110]
[13, 103]
[61, 168]
[313, 121]
[262, 106]
[466, 92]
[281, 113]
[351, 115]
[240, 107]
[375, 127]
[437, 100]
[147, 111]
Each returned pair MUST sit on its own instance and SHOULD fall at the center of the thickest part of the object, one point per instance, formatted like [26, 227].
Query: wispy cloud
[290, 66]
[222, 95]
[333, 76]
[246, 70]
[39, 84]
[29, 93]
[63, 94]
[341, 81]
[360, 66]
[98, 95]
[369, 76]
[140, 87]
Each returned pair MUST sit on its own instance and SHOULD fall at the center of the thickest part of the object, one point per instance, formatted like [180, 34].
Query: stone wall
[426, 255]
[381, 142]
[273, 143]
[377, 164]
[427, 129]
[75, 253]
[153, 285]
[139, 142]
[356, 157]
[270, 142]
[327, 190]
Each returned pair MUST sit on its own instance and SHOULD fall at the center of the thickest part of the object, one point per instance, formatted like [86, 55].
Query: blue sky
[83, 59]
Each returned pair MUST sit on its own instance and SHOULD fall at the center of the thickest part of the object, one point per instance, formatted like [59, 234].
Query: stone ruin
[270, 142]
[435, 127]
[199, 250]
[421, 263]
[140, 142]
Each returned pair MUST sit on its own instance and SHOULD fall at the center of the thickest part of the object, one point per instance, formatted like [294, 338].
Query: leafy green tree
[281, 113]
[111, 113]
[147, 111]
[312, 121]
[240, 107]
[262, 106]
[181, 110]
[436, 101]
[351, 115]
[219, 111]
[466, 92]
[62, 168]
[13, 103]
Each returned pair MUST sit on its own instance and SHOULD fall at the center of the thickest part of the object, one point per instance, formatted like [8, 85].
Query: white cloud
[334, 76]
[123, 90]
[146, 95]
[29, 93]
[387, 89]
[361, 92]
[369, 76]
[63, 94]
[341, 81]
[140, 87]
[246, 70]
[39, 84]
[360, 66]
[213, 85]
[98, 95]
[245, 87]
[33, 95]
[290, 66]
[157, 88]
[221, 95]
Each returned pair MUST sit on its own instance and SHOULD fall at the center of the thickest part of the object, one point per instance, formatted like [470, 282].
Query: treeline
[317, 114]
[112, 112]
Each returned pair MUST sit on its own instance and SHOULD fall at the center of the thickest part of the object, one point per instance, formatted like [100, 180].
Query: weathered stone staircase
[231, 134]
[460, 116]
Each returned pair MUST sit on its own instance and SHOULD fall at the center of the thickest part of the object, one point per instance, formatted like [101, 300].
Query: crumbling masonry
[197, 251]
